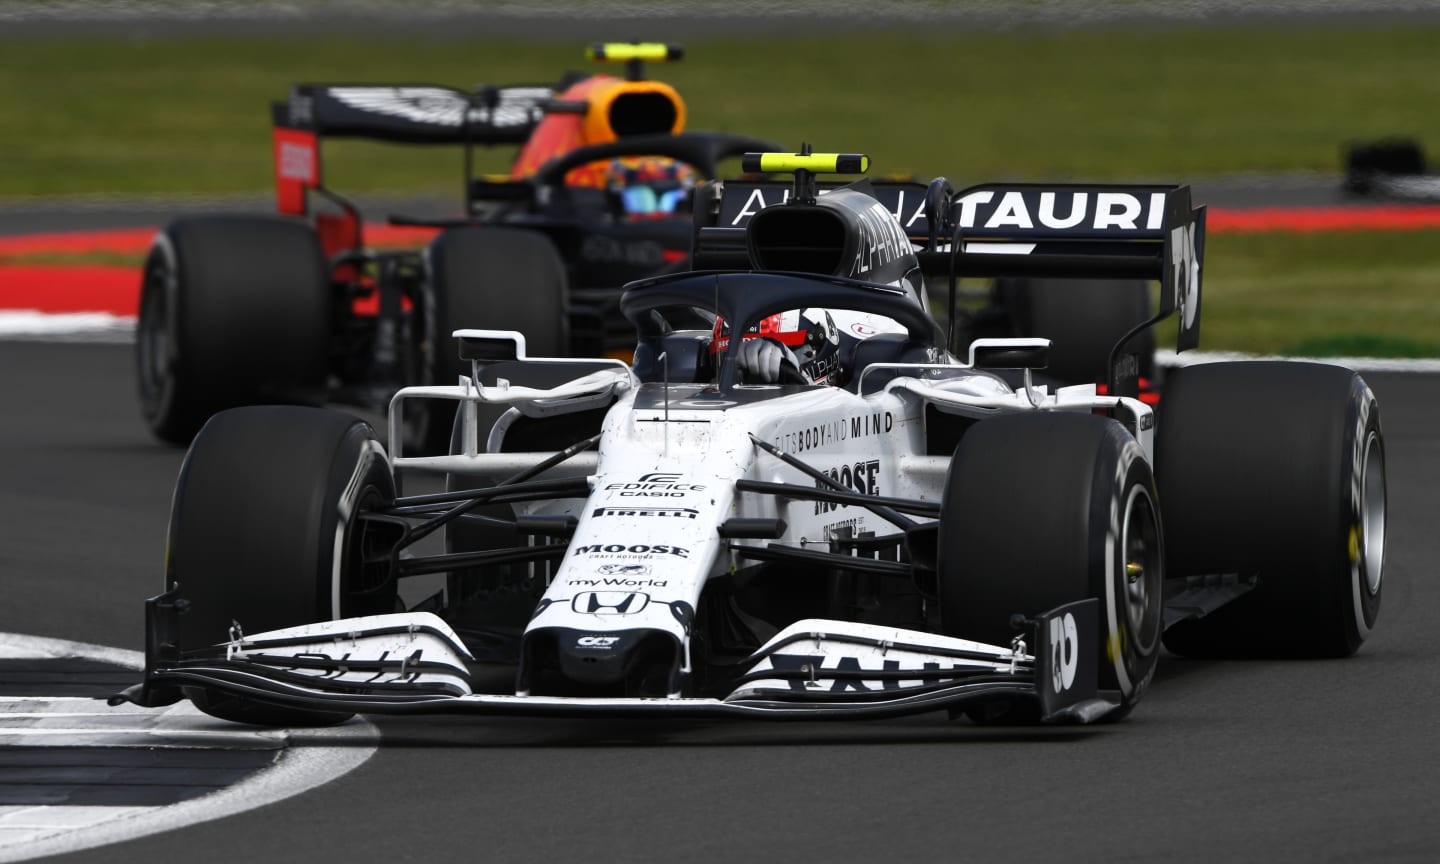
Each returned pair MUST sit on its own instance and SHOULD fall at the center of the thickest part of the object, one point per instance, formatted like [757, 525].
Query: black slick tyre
[1274, 472]
[1084, 318]
[1044, 509]
[492, 278]
[234, 310]
[263, 534]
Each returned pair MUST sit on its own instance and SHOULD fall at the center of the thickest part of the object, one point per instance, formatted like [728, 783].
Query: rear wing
[407, 114]
[1054, 230]
[1086, 231]
[415, 114]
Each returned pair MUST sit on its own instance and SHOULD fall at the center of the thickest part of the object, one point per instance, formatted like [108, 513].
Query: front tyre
[264, 533]
[1273, 473]
[1043, 509]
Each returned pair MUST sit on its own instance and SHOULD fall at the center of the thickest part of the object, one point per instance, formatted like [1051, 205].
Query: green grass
[172, 115]
[1352, 294]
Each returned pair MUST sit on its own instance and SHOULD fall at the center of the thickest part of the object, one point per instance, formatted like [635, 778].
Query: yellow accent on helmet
[624, 52]
[815, 163]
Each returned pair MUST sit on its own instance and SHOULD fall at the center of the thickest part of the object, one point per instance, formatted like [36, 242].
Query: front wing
[412, 663]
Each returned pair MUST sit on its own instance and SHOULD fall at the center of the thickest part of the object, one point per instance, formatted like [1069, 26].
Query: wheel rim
[1372, 513]
[152, 341]
[1141, 572]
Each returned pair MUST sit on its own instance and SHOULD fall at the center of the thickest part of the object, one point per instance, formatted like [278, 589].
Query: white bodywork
[669, 459]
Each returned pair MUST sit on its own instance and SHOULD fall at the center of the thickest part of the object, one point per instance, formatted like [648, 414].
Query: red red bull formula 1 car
[804, 507]
[598, 195]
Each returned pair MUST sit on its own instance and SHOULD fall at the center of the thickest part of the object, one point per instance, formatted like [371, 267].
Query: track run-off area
[76, 773]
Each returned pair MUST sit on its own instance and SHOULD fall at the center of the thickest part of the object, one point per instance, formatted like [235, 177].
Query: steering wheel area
[791, 374]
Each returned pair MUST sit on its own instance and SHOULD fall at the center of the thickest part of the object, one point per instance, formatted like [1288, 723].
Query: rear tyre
[492, 278]
[1276, 472]
[263, 533]
[1045, 509]
[1084, 318]
[234, 310]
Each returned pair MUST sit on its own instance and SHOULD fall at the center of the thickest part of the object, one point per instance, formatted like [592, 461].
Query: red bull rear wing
[415, 114]
[409, 114]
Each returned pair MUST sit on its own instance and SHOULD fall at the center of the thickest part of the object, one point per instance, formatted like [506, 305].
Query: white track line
[1170, 360]
[34, 325]
[306, 760]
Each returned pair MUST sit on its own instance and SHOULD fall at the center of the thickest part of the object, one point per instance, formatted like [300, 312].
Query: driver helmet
[810, 334]
[649, 186]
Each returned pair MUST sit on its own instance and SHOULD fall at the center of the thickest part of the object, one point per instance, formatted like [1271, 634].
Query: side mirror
[1010, 353]
[491, 346]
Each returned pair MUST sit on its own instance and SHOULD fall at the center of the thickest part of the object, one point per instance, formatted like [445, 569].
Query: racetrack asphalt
[1237, 761]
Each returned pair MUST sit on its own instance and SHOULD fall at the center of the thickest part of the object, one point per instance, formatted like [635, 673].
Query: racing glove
[760, 360]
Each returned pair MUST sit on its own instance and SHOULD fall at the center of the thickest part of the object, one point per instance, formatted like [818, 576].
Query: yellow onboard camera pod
[628, 52]
[805, 165]
[815, 163]
[634, 55]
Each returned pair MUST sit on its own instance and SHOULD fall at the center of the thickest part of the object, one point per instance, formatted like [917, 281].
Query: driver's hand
[760, 359]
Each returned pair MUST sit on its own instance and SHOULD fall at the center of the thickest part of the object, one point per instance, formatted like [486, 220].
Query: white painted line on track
[18, 646]
[306, 759]
[33, 325]
[1169, 359]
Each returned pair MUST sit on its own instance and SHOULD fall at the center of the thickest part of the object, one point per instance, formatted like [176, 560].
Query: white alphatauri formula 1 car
[885, 529]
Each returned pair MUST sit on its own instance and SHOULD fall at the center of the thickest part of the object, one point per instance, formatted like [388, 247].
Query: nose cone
[601, 659]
